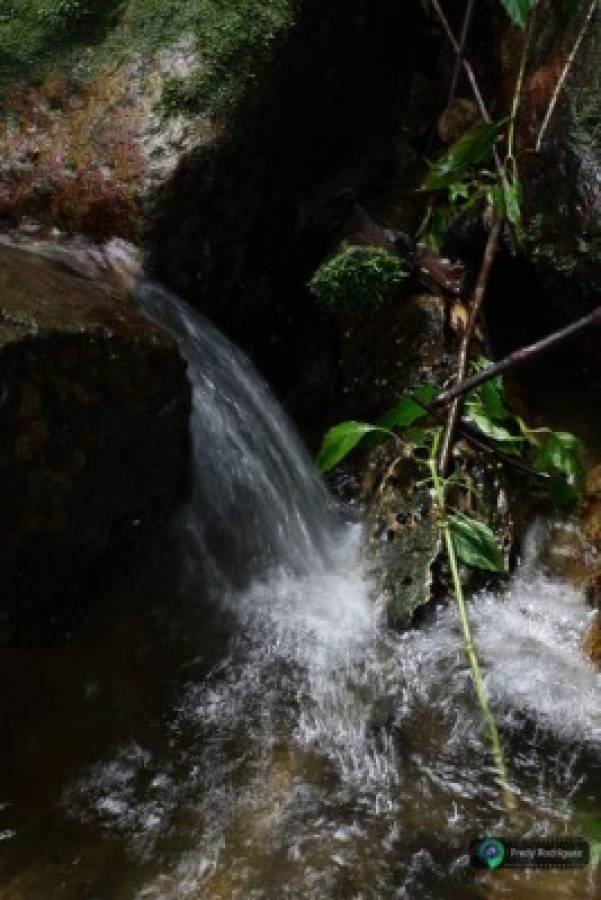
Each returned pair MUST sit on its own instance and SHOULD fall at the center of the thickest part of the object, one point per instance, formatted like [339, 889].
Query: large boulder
[93, 403]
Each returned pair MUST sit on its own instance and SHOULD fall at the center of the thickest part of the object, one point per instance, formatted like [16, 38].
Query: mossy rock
[358, 279]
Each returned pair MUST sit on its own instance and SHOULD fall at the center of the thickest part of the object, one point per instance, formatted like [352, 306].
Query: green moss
[35, 34]
[235, 39]
[358, 279]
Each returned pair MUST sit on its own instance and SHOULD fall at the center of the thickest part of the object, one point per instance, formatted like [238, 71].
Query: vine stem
[564, 74]
[517, 94]
[470, 647]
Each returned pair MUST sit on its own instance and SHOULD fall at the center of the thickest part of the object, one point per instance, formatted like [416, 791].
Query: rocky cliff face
[94, 403]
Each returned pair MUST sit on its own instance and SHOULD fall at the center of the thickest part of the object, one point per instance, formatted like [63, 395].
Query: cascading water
[303, 750]
[256, 503]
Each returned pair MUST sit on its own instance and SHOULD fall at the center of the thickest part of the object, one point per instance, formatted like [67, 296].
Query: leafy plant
[468, 152]
[475, 543]
[358, 279]
[340, 440]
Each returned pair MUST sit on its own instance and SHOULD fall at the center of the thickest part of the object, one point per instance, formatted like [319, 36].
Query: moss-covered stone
[84, 38]
[100, 102]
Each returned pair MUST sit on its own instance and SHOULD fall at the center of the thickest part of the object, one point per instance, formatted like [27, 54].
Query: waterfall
[256, 502]
[301, 748]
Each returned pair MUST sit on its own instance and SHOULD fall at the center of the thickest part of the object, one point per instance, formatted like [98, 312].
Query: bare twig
[464, 62]
[564, 74]
[519, 358]
[467, 21]
[468, 71]
[464, 353]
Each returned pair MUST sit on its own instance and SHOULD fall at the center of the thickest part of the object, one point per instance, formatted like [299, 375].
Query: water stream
[276, 740]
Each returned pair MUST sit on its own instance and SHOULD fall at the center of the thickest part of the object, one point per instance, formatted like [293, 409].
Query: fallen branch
[564, 74]
[464, 353]
[519, 358]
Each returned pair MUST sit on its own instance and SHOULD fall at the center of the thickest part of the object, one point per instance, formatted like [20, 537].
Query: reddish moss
[72, 157]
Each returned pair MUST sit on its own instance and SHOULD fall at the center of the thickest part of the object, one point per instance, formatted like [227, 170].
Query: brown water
[225, 730]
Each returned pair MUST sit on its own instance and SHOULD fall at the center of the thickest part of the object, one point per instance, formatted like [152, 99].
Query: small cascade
[303, 749]
[256, 502]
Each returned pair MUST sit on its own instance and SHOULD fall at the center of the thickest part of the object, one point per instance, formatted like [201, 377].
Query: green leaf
[408, 410]
[475, 543]
[562, 452]
[471, 149]
[518, 10]
[560, 455]
[512, 195]
[486, 408]
[340, 440]
[498, 433]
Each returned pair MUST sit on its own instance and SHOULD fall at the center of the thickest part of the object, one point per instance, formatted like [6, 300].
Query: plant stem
[479, 293]
[517, 94]
[564, 75]
[467, 21]
[519, 358]
[470, 648]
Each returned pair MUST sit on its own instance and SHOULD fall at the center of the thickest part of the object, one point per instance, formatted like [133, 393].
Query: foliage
[473, 148]
[459, 179]
[558, 455]
[358, 279]
[340, 440]
[475, 543]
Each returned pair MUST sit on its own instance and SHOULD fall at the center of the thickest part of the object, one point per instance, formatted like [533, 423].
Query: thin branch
[464, 353]
[564, 75]
[464, 62]
[519, 358]
[467, 21]
[468, 71]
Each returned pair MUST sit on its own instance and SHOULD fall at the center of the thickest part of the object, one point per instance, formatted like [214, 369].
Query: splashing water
[320, 755]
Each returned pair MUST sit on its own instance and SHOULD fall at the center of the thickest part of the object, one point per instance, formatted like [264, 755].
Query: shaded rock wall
[94, 403]
[242, 225]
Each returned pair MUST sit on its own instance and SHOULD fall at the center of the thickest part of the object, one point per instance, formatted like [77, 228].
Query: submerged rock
[93, 403]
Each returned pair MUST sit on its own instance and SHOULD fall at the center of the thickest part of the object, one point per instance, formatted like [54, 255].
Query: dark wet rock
[94, 403]
[563, 180]
[403, 547]
[556, 276]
